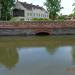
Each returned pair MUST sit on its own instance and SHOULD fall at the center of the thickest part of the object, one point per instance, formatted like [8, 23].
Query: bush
[39, 19]
[62, 17]
[15, 19]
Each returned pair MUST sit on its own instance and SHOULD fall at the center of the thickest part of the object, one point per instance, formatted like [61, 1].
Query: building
[27, 12]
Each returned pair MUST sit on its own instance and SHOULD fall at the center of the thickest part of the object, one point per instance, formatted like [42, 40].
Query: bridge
[37, 27]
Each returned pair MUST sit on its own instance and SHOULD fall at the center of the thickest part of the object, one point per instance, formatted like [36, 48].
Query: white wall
[34, 13]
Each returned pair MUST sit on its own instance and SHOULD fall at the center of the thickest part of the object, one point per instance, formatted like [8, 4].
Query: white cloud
[67, 4]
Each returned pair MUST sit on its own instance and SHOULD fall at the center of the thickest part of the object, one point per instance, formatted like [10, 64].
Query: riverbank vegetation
[6, 9]
[53, 8]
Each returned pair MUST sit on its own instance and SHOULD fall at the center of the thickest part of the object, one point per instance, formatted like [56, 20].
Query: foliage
[39, 19]
[6, 8]
[16, 19]
[62, 17]
[74, 7]
[72, 15]
[53, 7]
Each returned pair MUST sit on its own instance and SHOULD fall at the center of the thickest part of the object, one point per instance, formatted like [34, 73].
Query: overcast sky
[67, 4]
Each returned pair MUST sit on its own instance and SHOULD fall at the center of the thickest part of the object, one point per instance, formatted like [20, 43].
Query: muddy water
[50, 55]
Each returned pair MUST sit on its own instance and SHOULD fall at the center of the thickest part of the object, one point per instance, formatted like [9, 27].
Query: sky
[67, 4]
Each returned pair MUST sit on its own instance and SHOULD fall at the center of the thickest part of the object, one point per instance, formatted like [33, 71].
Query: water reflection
[36, 55]
[73, 54]
[8, 57]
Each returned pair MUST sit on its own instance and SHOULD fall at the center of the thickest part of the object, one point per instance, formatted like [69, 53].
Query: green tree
[73, 13]
[53, 7]
[6, 7]
[74, 7]
[62, 17]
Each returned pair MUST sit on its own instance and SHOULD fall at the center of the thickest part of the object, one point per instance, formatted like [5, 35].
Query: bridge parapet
[38, 24]
[35, 27]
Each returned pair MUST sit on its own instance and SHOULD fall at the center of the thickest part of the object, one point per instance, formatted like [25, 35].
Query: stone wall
[34, 27]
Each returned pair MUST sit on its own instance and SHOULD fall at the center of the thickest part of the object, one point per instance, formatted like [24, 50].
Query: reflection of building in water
[8, 57]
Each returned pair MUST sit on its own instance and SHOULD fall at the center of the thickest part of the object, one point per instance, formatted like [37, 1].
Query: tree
[6, 7]
[62, 17]
[53, 7]
[74, 7]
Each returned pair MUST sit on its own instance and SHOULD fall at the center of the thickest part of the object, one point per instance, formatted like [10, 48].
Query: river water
[36, 55]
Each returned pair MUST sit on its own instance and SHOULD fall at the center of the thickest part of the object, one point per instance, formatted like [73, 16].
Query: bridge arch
[42, 33]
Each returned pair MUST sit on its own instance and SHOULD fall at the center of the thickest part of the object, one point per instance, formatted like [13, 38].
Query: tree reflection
[73, 54]
[8, 57]
[52, 48]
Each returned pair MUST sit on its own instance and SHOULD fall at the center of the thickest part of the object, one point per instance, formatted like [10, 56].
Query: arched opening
[42, 33]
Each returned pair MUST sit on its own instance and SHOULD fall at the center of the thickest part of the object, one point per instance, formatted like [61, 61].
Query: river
[37, 55]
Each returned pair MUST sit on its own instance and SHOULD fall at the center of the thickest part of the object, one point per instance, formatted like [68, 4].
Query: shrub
[39, 19]
[15, 19]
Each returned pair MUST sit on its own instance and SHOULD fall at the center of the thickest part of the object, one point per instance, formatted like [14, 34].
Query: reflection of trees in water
[52, 46]
[73, 54]
[51, 42]
[51, 49]
[8, 57]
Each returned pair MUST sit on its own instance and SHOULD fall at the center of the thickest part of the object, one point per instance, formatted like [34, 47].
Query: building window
[18, 13]
[28, 19]
[43, 15]
[34, 14]
[30, 14]
[47, 15]
[39, 15]
[27, 14]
